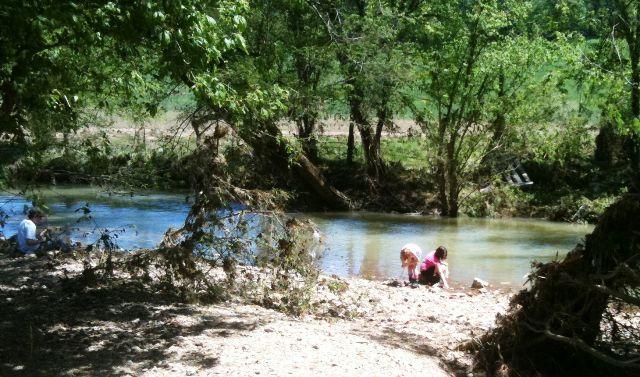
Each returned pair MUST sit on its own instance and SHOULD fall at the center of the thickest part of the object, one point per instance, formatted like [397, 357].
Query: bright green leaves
[634, 127]
[53, 51]
[239, 22]
[266, 105]
[611, 73]
[165, 37]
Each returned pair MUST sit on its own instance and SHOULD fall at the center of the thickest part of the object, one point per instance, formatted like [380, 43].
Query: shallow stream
[362, 244]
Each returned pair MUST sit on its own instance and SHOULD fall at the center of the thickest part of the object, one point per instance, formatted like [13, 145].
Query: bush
[497, 200]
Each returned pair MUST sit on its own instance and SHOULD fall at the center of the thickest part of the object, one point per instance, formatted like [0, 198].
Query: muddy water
[363, 244]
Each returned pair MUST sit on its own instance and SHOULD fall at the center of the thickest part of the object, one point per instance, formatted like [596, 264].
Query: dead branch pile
[581, 316]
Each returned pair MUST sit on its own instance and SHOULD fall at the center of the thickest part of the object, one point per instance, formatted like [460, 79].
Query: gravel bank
[362, 328]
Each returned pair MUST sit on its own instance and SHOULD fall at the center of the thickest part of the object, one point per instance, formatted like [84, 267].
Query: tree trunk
[197, 133]
[441, 181]
[370, 142]
[369, 148]
[376, 152]
[273, 148]
[453, 197]
[609, 146]
[306, 133]
[358, 117]
[500, 123]
[350, 143]
[313, 177]
[382, 120]
[452, 178]
[309, 76]
[441, 169]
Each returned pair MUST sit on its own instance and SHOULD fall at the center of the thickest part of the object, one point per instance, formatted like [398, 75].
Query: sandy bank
[365, 328]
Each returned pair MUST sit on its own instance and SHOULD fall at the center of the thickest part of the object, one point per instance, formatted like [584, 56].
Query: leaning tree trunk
[313, 177]
[270, 145]
[556, 327]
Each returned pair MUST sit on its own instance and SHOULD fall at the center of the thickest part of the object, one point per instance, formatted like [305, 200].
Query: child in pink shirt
[434, 268]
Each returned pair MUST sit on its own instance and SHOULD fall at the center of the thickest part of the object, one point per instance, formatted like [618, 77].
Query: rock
[479, 283]
[394, 283]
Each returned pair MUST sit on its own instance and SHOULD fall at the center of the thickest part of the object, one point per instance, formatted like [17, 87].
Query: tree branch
[583, 346]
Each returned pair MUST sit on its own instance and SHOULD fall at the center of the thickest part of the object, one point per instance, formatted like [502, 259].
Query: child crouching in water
[410, 257]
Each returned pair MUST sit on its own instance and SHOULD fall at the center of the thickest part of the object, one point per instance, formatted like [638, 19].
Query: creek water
[360, 244]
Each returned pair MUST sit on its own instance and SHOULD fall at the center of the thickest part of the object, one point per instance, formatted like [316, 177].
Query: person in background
[409, 258]
[433, 269]
[28, 239]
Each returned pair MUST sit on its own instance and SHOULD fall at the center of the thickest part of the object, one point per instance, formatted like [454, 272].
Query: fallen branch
[617, 294]
[583, 346]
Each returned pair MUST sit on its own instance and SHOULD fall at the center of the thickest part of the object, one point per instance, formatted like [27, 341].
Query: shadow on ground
[417, 344]
[404, 340]
[54, 326]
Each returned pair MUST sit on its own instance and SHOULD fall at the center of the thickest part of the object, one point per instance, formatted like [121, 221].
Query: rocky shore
[358, 328]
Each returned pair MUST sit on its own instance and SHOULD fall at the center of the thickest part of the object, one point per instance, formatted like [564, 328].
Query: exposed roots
[581, 316]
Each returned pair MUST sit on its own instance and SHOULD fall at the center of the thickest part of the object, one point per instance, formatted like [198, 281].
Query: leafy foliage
[480, 85]
[59, 56]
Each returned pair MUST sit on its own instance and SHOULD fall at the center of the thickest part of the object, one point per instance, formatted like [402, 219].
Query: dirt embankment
[365, 328]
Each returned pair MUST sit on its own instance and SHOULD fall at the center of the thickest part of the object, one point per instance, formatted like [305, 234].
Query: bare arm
[38, 241]
[33, 242]
[442, 272]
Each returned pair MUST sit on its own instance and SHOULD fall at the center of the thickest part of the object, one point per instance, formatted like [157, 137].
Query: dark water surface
[363, 244]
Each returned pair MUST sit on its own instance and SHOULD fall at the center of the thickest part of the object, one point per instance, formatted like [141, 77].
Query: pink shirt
[429, 261]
